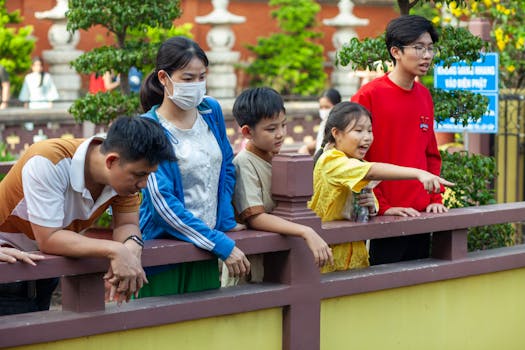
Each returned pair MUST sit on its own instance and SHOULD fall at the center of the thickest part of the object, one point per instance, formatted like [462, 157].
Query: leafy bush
[473, 175]
[103, 107]
[129, 22]
[104, 221]
[462, 105]
[507, 33]
[16, 47]
[290, 62]
[5, 156]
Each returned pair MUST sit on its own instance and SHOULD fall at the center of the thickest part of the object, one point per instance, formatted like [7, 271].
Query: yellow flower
[511, 68]
[435, 20]
[447, 19]
[474, 7]
[502, 9]
[453, 5]
[456, 12]
[520, 43]
[450, 196]
[488, 3]
[500, 44]
[439, 5]
[498, 33]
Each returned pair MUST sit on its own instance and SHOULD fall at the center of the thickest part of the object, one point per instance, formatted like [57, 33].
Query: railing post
[83, 293]
[292, 188]
[292, 179]
[449, 245]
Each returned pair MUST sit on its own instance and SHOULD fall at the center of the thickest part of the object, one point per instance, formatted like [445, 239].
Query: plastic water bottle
[361, 213]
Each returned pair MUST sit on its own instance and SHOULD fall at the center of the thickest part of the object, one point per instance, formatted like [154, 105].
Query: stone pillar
[63, 42]
[480, 27]
[345, 22]
[221, 81]
[478, 143]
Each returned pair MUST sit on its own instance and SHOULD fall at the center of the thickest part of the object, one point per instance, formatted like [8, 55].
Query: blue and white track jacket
[162, 212]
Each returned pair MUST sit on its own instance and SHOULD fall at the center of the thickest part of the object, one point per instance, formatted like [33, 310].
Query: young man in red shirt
[403, 123]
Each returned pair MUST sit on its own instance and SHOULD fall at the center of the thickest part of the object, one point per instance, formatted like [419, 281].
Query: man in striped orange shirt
[59, 187]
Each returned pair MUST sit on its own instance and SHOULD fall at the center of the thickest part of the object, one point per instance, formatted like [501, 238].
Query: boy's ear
[395, 51]
[246, 132]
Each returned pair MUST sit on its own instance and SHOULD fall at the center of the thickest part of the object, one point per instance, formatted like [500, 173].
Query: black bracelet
[135, 239]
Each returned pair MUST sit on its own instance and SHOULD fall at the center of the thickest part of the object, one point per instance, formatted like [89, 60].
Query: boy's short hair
[404, 30]
[136, 138]
[255, 104]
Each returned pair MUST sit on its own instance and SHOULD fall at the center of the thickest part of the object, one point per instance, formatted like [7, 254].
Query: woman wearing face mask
[328, 99]
[189, 199]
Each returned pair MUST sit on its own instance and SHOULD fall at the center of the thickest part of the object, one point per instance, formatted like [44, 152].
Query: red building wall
[258, 22]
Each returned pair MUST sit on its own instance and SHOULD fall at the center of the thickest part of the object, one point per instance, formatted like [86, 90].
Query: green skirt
[183, 278]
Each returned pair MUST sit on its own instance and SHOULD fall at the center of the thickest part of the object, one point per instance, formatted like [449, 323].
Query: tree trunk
[405, 6]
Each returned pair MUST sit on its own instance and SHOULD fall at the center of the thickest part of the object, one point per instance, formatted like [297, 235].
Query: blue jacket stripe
[162, 208]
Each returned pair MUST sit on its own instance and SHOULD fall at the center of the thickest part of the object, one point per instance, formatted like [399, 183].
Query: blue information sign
[480, 77]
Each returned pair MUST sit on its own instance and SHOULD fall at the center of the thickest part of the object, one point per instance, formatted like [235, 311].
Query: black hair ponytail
[340, 117]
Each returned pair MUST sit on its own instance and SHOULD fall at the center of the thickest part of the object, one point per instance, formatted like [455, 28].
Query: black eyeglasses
[422, 50]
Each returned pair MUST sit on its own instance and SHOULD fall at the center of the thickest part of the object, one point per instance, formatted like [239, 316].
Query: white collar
[76, 173]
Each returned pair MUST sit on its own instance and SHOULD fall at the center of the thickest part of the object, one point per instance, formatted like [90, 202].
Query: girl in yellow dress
[340, 173]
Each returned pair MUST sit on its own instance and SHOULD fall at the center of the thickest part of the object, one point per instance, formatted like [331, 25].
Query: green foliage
[16, 46]
[458, 44]
[473, 176]
[507, 18]
[5, 156]
[104, 221]
[364, 54]
[102, 59]
[295, 16]
[290, 62]
[406, 5]
[103, 107]
[129, 22]
[507, 31]
[462, 106]
[119, 16]
[455, 44]
[489, 237]
[154, 37]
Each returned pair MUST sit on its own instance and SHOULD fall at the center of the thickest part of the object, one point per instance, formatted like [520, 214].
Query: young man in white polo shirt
[59, 187]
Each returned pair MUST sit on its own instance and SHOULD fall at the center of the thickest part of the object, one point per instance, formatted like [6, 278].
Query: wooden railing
[292, 281]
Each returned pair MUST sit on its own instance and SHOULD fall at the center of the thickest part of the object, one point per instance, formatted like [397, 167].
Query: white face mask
[323, 113]
[187, 95]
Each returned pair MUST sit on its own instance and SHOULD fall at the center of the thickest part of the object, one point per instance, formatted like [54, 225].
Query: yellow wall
[259, 330]
[507, 153]
[481, 312]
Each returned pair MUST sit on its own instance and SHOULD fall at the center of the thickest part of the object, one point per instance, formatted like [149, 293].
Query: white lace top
[199, 158]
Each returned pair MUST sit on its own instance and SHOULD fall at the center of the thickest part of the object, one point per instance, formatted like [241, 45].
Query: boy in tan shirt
[260, 113]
